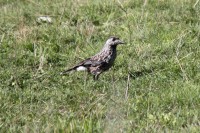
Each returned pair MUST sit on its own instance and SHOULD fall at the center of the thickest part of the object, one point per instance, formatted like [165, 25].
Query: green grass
[154, 85]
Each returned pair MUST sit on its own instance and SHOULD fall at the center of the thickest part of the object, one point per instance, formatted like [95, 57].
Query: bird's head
[114, 41]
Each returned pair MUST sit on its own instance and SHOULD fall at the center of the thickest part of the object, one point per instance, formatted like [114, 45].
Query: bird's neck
[110, 48]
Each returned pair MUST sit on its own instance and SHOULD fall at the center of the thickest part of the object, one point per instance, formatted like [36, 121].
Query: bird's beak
[121, 42]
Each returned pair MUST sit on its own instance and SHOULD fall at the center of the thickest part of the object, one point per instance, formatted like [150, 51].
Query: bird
[101, 61]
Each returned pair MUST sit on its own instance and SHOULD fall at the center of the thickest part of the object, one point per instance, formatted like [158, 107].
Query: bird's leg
[96, 77]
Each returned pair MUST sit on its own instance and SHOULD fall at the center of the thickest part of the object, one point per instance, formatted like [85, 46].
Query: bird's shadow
[141, 73]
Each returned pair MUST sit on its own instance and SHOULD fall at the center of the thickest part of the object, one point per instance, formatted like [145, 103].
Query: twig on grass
[127, 87]
[195, 3]
[177, 54]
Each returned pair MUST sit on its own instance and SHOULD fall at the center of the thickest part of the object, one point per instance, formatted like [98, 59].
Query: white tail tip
[81, 68]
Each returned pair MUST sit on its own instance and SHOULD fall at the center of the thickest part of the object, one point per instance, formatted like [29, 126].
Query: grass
[153, 87]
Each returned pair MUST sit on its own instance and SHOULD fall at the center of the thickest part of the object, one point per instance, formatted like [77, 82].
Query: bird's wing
[93, 63]
[86, 63]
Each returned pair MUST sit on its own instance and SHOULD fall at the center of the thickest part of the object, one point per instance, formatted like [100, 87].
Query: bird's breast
[110, 58]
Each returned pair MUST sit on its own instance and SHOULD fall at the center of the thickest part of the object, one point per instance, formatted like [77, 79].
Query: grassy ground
[153, 87]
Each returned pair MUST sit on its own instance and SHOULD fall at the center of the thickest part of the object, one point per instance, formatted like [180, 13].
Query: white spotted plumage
[100, 62]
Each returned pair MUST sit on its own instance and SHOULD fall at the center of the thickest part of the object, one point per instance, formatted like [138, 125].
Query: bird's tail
[68, 70]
